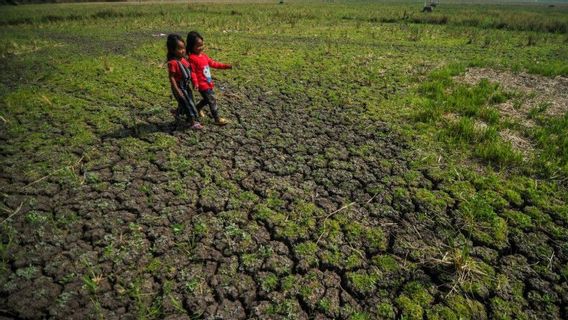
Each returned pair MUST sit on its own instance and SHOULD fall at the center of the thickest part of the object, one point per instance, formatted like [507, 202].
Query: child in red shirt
[179, 75]
[201, 75]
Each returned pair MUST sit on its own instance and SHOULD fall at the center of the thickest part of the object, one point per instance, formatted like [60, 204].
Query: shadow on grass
[142, 129]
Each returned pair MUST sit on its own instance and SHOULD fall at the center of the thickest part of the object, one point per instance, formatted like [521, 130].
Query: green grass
[472, 124]
[74, 76]
[551, 137]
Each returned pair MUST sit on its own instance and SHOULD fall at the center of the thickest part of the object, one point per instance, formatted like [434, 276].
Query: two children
[196, 68]
[179, 76]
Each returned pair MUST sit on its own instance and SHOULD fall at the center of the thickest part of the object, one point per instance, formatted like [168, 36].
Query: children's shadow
[142, 129]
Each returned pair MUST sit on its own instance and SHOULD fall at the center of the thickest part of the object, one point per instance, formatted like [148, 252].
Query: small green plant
[64, 298]
[251, 260]
[538, 110]
[178, 188]
[386, 310]
[27, 273]
[145, 308]
[178, 305]
[200, 228]
[178, 228]
[192, 284]
[306, 251]
[68, 278]
[154, 265]
[146, 189]
[92, 178]
[325, 304]
[362, 281]
[409, 309]
[109, 251]
[91, 282]
[269, 282]
[386, 263]
[360, 316]
[481, 221]
[35, 217]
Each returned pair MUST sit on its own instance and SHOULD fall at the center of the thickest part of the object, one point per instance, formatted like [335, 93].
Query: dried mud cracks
[286, 213]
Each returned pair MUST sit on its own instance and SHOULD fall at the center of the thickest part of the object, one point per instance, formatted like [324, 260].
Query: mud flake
[279, 264]
[43, 291]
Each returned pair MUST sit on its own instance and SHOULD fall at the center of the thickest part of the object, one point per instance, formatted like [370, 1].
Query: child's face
[180, 50]
[198, 46]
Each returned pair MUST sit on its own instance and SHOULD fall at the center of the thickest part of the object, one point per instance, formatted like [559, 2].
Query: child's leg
[209, 98]
[178, 111]
[201, 104]
[188, 105]
[199, 108]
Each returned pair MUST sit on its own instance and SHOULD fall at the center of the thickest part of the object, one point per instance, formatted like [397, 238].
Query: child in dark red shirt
[179, 75]
[201, 75]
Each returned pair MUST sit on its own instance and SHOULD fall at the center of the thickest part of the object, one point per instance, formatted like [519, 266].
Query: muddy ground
[288, 212]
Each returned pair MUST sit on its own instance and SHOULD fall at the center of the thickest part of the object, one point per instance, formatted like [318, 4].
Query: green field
[381, 163]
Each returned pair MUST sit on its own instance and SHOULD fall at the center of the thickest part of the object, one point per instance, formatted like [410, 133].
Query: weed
[178, 228]
[409, 309]
[325, 304]
[178, 188]
[481, 221]
[554, 145]
[360, 316]
[306, 251]
[154, 265]
[91, 282]
[36, 218]
[178, 305]
[269, 282]
[386, 310]
[109, 251]
[499, 153]
[91, 178]
[146, 189]
[386, 263]
[192, 284]
[64, 298]
[538, 110]
[145, 307]
[362, 281]
[27, 273]
[513, 197]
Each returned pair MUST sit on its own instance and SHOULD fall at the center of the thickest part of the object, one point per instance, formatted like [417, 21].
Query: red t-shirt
[173, 68]
[201, 75]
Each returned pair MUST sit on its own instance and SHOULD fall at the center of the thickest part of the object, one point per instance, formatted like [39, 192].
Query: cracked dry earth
[288, 212]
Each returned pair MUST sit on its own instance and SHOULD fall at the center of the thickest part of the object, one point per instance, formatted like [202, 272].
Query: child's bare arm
[219, 65]
[175, 87]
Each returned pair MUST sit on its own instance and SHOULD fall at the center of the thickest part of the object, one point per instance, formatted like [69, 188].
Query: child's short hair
[172, 44]
[192, 37]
